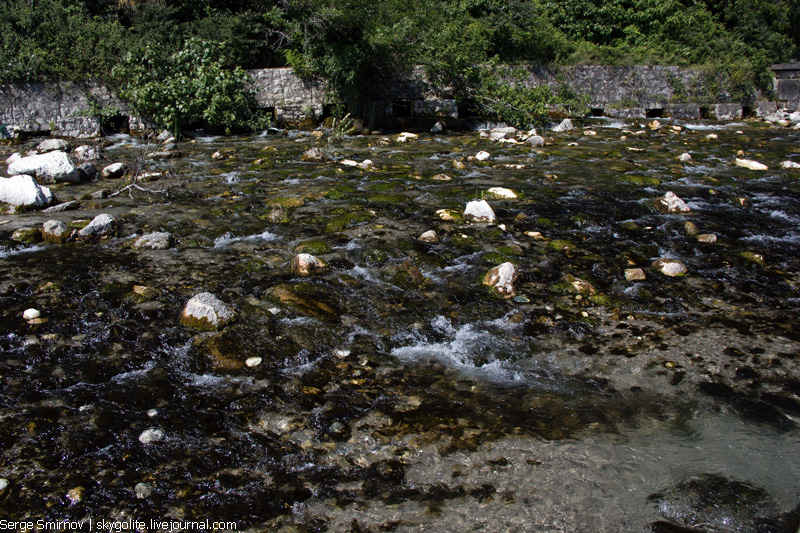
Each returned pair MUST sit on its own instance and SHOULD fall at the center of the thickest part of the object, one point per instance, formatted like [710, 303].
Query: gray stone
[51, 167]
[101, 226]
[683, 111]
[726, 111]
[626, 112]
[437, 128]
[87, 171]
[429, 236]
[564, 125]
[50, 145]
[64, 206]
[114, 171]
[158, 240]
[86, 153]
[436, 107]
[24, 190]
[535, 141]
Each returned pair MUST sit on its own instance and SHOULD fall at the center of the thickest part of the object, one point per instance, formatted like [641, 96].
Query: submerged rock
[206, 312]
[790, 165]
[670, 267]
[479, 211]
[24, 190]
[55, 231]
[710, 502]
[307, 265]
[634, 274]
[685, 158]
[158, 240]
[314, 155]
[708, 238]
[501, 279]
[750, 164]
[52, 167]
[151, 435]
[670, 203]
[102, 225]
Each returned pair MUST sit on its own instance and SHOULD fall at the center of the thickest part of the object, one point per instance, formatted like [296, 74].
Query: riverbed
[394, 391]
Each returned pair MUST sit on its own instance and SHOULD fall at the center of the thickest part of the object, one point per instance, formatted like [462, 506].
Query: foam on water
[483, 349]
[228, 238]
[5, 252]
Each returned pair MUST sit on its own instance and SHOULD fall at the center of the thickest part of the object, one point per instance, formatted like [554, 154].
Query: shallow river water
[394, 391]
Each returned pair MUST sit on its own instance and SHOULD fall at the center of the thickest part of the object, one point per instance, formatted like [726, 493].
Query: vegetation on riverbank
[150, 48]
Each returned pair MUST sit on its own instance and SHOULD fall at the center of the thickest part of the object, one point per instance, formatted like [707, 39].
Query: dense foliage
[357, 44]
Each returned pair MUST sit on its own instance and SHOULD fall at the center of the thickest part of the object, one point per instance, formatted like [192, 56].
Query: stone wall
[67, 109]
[59, 109]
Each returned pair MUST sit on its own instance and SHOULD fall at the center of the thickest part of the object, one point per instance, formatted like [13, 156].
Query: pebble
[143, 490]
[483, 156]
[149, 436]
[152, 413]
[253, 362]
[429, 236]
[3, 484]
[31, 314]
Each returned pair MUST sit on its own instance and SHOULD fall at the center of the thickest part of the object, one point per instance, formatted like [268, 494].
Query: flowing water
[394, 391]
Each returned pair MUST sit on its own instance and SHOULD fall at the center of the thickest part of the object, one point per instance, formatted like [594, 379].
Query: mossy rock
[603, 300]
[495, 258]
[27, 235]
[543, 222]
[313, 247]
[376, 256]
[342, 222]
[561, 245]
[631, 226]
[514, 249]
[752, 257]
[393, 199]
[250, 266]
[306, 299]
[640, 181]
[339, 193]
[287, 202]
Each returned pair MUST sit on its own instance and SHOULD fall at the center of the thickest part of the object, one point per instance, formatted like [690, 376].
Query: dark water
[394, 391]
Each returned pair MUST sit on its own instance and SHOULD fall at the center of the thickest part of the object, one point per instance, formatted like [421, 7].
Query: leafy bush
[189, 87]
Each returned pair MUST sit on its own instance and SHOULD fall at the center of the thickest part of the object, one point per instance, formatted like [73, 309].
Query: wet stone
[55, 231]
[670, 267]
[206, 312]
[103, 225]
[501, 279]
[670, 203]
[150, 436]
[159, 240]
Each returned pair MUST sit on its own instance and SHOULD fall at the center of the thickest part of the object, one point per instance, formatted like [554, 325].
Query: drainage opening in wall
[747, 111]
[655, 113]
[596, 112]
[401, 109]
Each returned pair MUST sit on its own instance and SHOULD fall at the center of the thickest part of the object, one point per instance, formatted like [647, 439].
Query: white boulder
[501, 278]
[479, 211]
[483, 156]
[670, 203]
[48, 168]
[565, 125]
[502, 192]
[206, 312]
[24, 190]
[50, 145]
[790, 165]
[750, 164]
